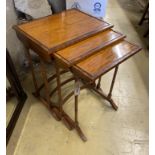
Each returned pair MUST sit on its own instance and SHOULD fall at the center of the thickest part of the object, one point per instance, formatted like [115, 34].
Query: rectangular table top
[58, 31]
[87, 47]
[106, 59]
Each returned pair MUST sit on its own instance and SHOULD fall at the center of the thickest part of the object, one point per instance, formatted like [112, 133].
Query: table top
[106, 59]
[58, 31]
[79, 51]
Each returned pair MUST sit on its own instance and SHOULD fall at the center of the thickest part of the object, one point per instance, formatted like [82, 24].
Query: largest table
[78, 43]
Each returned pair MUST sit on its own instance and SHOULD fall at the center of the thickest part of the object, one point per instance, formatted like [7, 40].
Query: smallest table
[93, 67]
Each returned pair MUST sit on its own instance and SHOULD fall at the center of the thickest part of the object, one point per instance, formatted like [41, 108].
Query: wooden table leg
[59, 87]
[98, 90]
[76, 93]
[113, 81]
[44, 76]
[33, 73]
[111, 88]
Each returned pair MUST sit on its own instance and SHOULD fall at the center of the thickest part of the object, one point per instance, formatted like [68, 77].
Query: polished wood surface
[37, 48]
[61, 30]
[104, 60]
[87, 47]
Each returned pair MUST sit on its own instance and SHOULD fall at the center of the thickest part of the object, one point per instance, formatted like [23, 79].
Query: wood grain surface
[61, 30]
[87, 47]
[104, 60]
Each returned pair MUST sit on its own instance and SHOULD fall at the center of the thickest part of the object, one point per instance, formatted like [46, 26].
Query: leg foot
[115, 107]
[80, 133]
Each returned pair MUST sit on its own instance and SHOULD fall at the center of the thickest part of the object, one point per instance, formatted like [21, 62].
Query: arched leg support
[66, 120]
